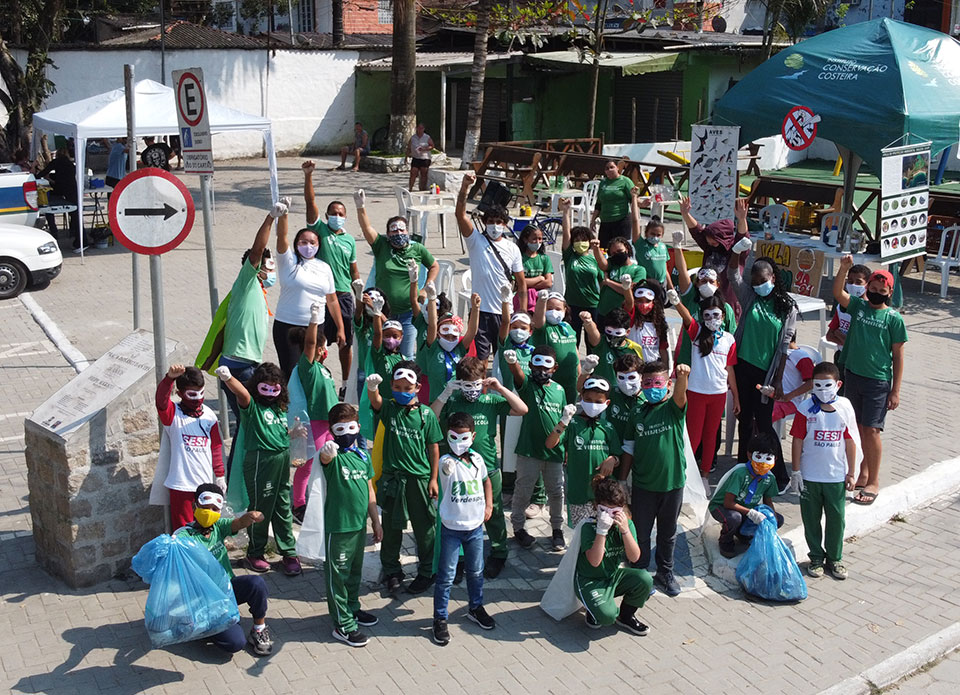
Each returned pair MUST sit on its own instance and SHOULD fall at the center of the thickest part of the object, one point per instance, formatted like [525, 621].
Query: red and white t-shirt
[196, 449]
[840, 322]
[824, 437]
[798, 369]
[645, 335]
[708, 374]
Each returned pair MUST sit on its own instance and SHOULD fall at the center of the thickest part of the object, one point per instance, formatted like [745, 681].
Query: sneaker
[633, 625]
[291, 566]
[481, 618]
[441, 634]
[837, 570]
[557, 539]
[420, 584]
[533, 511]
[728, 549]
[493, 567]
[366, 619]
[458, 573]
[667, 583]
[393, 582]
[815, 570]
[298, 513]
[256, 564]
[523, 538]
[354, 639]
[591, 623]
[260, 641]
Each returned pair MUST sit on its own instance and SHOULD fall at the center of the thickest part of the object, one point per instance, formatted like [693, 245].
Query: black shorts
[611, 230]
[868, 398]
[419, 163]
[347, 305]
[488, 334]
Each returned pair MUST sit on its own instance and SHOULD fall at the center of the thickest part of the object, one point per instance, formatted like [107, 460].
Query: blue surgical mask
[335, 222]
[404, 397]
[270, 280]
[653, 240]
[656, 394]
[764, 289]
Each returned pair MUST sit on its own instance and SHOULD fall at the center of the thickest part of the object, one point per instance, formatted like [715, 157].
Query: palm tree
[403, 76]
[477, 75]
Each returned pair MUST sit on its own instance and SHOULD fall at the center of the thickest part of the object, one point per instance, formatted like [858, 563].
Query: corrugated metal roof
[436, 61]
[626, 63]
[184, 35]
[356, 42]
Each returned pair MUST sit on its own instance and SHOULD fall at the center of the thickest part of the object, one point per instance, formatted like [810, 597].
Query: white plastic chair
[775, 217]
[445, 277]
[413, 212]
[463, 294]
[559, 277]
[827, 344]
[947, 258]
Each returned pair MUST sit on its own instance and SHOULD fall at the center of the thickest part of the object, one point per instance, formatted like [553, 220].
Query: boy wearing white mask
[447, 343]
[516, 331]
[613, 344]
[592, 447]
[466, 501]
[486, 400]
[825, 448]
[626, 395]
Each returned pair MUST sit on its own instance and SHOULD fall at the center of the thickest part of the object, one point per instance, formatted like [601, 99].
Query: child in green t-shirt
[622, 272]
[350, 500]
[410, 455]
[537, 267]
[741, 490]
[652, 255]
[613, 344]
[551, 327]
[363, 320]
[446, 344]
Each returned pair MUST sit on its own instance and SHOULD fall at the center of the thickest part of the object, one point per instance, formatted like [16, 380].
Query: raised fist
[224, 373]
[373, 382]
[510, 356]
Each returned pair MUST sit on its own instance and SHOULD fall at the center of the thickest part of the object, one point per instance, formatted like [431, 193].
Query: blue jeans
[408, 346]
[241, 371]
[450, 542]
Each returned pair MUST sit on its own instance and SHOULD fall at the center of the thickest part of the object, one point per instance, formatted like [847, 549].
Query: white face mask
[554, 316]
[825, 390]
[855, 290]
[712, 320]
[495, 231]
[519, 335]
[449, 344]
[592, 409]
[459, 443]
[707, 290]
[628, 383]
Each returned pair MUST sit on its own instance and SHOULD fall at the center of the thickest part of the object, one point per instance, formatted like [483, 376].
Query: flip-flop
[865, 498]
[859, 487]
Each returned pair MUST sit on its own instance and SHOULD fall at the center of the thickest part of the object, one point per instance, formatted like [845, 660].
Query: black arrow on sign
[167, 212]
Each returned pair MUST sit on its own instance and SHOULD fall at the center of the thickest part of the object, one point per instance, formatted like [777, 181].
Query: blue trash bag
[190, 597]
[768, 569]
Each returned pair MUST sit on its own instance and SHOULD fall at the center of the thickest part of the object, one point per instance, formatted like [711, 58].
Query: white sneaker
[533, 511]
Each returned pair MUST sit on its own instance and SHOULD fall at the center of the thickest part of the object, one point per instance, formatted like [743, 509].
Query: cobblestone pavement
[943, 678]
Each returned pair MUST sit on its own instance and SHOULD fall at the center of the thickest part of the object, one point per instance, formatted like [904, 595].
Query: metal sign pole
[159, 327]
[224, 407]
[129, 98]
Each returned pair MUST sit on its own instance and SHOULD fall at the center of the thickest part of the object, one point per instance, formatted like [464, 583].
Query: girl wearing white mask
[447, 343]
[551, 327]
[516, 331]
[649, 329]
[693, 289]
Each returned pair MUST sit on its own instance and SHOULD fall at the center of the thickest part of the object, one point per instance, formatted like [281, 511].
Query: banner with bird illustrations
[713, 172]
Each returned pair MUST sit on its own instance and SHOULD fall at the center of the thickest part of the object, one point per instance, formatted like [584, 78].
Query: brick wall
[362, 17]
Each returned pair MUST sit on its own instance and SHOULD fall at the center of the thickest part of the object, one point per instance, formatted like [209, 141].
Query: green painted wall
[563, 102]
[706, 79]
[372, 100]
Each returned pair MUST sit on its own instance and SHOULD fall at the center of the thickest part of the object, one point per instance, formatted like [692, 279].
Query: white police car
[18, 197]
[28, 257]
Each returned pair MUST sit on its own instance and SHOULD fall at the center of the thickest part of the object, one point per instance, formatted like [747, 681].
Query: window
[384, 11]
[305, 16]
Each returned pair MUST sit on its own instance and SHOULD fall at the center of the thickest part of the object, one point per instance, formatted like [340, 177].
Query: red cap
[883, 276]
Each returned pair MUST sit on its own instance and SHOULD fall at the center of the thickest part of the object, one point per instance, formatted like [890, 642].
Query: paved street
[903, 584]
[941, 679]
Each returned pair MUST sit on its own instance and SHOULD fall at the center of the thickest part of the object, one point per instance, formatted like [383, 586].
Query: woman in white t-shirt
[303, 279]
[712, 356]
[418, 150]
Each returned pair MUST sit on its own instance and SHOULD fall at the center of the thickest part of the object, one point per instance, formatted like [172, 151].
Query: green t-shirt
[391, 270]
[761, 333]
[621, 408]
[523, 359]
[609, 354]
[613, 198]
[439, 366]
[868, 349]
[536, 266]
[420, 324]
[383, 364]
[264, 427]
[653, 259]
[614, 553]
[545, 406]
[689, 300]
[588, 443]
[348, 492]
[610, 299]
[582, 276]
[486, 412]
[245, 331]
[563, 339]
[214, 541]
[318, 387]
[408, 430]
[339, 251]
[739, 481]
[656, 431]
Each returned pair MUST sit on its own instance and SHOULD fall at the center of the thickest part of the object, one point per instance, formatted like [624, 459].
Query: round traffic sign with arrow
[151, 211]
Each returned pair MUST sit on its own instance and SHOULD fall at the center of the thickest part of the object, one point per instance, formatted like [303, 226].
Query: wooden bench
[580, 168]
[516, 167]
[780, 190]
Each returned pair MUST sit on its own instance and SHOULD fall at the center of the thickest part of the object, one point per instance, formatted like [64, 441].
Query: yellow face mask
[205, 517]
[581, 246]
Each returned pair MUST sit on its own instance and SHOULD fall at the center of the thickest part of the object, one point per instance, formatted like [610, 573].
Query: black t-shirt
[156, 155]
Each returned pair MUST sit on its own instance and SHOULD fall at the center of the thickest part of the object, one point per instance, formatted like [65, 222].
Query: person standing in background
[418, 150]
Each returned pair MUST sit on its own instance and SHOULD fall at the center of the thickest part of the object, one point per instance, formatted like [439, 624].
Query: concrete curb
[53, 332]
[899, 666]
[936, 481]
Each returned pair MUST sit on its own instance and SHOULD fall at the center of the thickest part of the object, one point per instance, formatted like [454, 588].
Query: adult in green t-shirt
[397, 261]
[622, 273]
[613, 204]
[874, 366]
[582, 275]
[653, 451]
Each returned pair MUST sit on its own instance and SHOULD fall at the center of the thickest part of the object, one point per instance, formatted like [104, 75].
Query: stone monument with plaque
[91, 450]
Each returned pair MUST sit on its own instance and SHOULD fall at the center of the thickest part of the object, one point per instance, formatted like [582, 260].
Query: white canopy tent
[104, 116]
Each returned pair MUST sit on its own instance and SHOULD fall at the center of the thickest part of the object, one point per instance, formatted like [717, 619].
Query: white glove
[626, 282]
[286, 201]
[315, 312]
[756, 516]
[672, 297]
[221, 483]
[506, 293]
[452, 385]
[542, 295]
[768, 391]
[743, 245]
[373, 382]
[376, 303]
[224, 373]
[510, 356]
[568, 412]
[357, 287]
[677, 238]
[413, 269]
[360, 199]
[447, 467]
[329, 450]
[604, 523]
[589, 363]
[586, 318]
[431, 290]
[796, 481]
[278, 210]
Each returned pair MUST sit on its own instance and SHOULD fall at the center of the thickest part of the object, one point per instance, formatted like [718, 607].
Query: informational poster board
[802, 266]
[904, 201]
[713, 172]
